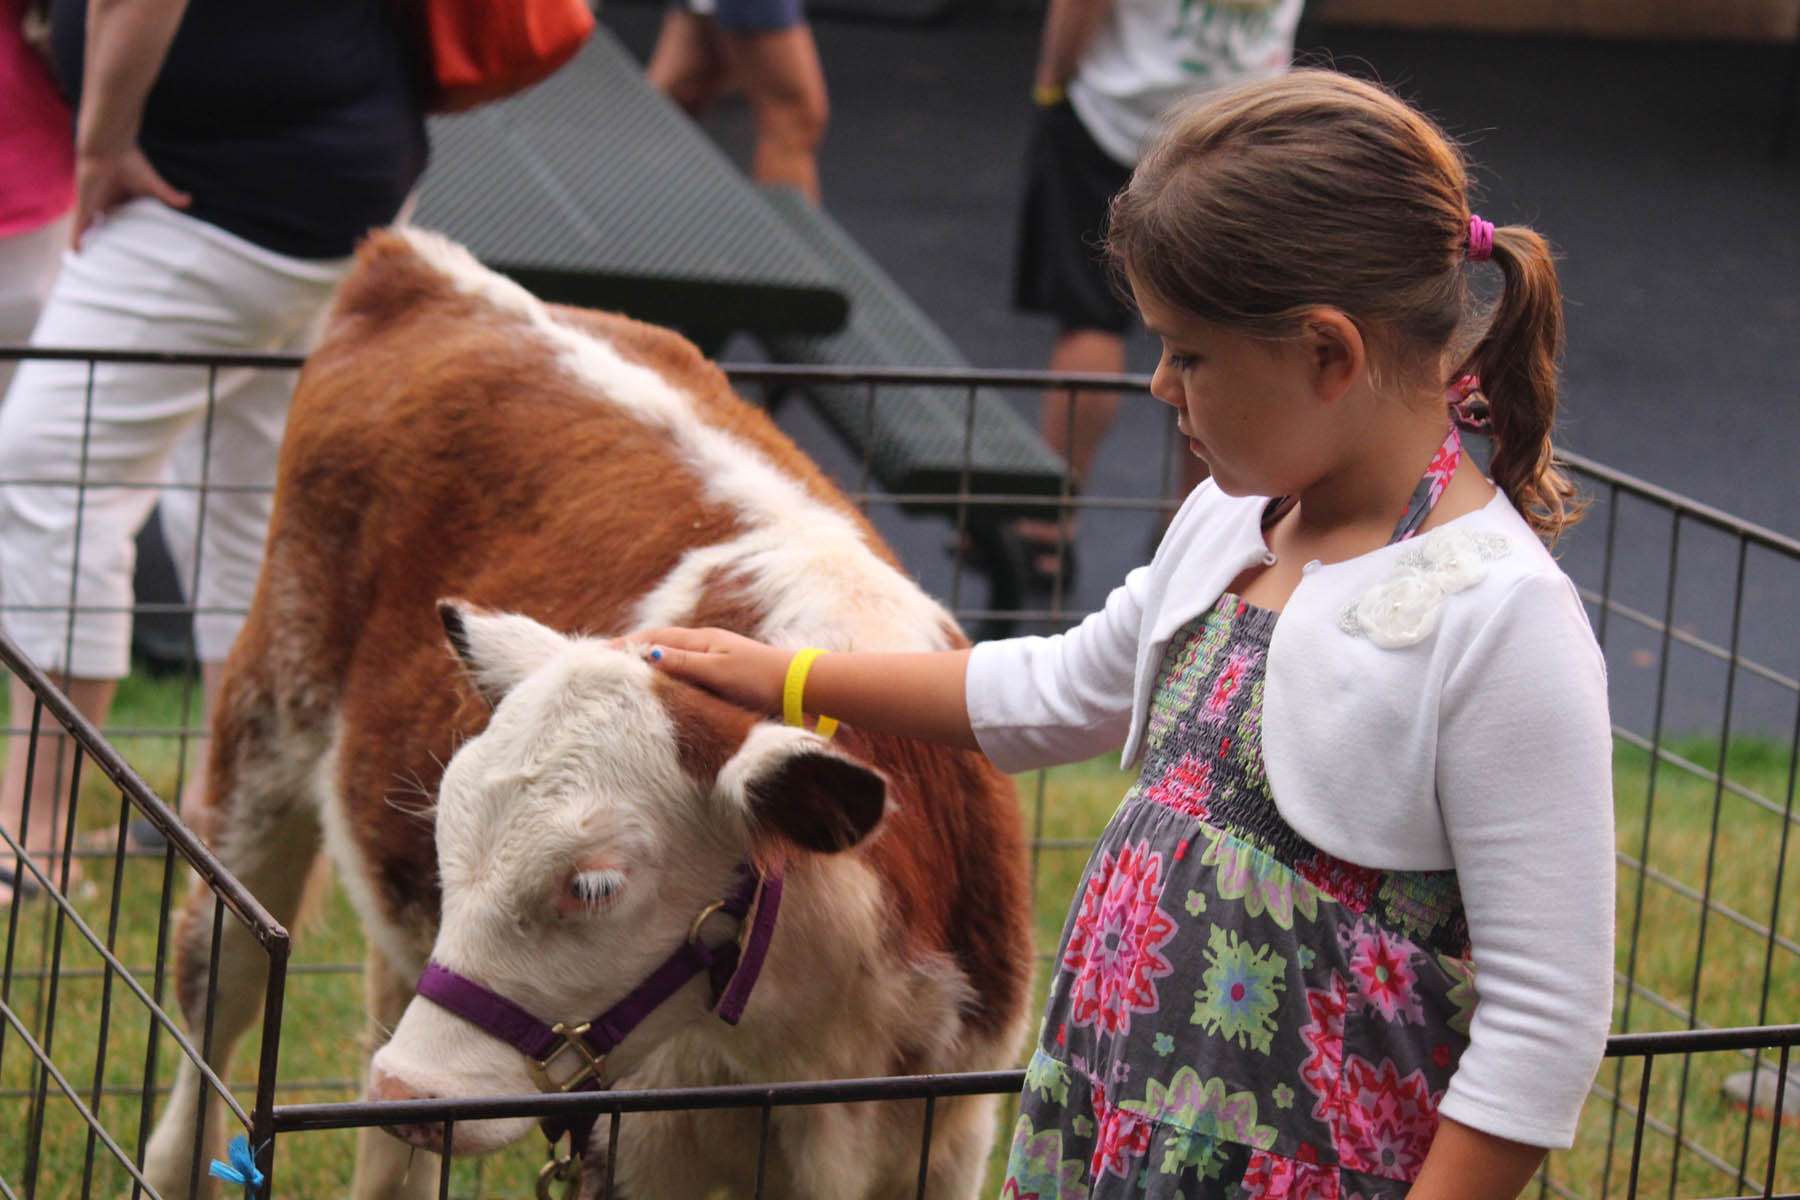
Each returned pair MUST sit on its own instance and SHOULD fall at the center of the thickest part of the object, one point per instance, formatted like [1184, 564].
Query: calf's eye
[594, 890]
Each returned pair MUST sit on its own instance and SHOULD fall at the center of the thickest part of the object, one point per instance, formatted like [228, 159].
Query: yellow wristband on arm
[793, 691]
[1045, 95]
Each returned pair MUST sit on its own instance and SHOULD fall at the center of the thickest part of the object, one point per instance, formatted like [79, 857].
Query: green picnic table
[593, 189]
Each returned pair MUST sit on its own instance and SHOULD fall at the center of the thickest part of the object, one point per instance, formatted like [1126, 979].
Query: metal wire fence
[84, 981]
[1691, 605]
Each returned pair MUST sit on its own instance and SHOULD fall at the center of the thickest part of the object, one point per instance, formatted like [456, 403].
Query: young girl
[1350, 932]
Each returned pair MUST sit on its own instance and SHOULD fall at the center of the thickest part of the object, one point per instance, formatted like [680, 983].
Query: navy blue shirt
[294, 124]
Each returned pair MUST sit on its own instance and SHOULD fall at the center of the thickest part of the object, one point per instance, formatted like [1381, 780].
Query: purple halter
[733, 968]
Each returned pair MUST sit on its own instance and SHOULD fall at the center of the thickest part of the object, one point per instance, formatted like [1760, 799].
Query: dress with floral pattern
[1233, 1012]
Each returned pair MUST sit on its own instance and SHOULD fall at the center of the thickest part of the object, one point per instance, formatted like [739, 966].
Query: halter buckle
[590, 1063]
[745, 921]
[566, 1170]
[694, 929]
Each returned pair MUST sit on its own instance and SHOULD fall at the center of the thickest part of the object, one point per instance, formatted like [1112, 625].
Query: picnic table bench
[960, 450]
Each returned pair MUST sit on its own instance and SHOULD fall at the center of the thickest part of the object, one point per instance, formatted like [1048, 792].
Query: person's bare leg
[1082, 352]
[1074, 423]
[193, 792]
[51, 770]
[784, 82]
[687, 64]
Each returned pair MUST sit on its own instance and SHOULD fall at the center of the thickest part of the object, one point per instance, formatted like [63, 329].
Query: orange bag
[481, 50]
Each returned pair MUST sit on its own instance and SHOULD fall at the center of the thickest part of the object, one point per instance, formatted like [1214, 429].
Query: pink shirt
[37, 133]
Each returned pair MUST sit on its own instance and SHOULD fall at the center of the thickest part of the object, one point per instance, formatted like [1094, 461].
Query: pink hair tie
[1481, 239]
[1469, 409]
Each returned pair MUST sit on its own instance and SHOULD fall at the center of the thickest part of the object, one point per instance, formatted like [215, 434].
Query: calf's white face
[580, 835]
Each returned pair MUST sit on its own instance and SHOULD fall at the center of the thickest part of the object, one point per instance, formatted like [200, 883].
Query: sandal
[1037, 557]
[1049, 555]
[24, 887]
[144, 837]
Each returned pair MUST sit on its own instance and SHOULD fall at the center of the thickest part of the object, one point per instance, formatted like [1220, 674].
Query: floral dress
[1234, 1012]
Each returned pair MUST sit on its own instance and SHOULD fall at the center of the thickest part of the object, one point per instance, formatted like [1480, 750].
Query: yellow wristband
[1046, 94]
[793, 691]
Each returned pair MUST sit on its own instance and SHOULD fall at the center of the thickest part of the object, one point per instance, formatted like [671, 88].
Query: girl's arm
[1524, 770]
[1037, 701]
[1467, 1164]
[918, 695]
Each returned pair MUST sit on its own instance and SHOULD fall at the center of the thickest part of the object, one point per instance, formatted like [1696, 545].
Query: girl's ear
[1335, 353]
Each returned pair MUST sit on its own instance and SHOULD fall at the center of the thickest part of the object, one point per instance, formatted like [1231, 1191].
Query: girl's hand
[729, 665]
[913, 694]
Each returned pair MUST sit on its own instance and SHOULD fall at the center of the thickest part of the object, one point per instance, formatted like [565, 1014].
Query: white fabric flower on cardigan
[1405, 606]
[1401, 610]
[1453, 558]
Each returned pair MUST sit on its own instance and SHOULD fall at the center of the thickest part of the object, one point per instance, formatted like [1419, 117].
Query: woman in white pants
[86, 452]
[227, 159]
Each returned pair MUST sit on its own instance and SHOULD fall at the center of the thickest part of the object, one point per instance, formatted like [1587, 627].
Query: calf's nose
[383, 1086]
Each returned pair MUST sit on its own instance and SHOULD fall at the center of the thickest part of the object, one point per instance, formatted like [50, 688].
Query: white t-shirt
[1146, 54]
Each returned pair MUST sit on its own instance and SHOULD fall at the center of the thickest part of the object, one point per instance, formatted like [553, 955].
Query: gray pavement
[1647, 164]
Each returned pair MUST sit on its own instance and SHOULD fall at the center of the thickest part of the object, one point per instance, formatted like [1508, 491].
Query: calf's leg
[962, 1134]
[386, 1167]
[270, 847]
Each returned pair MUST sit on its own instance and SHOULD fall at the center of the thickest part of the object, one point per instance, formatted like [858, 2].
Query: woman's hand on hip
[103, 182]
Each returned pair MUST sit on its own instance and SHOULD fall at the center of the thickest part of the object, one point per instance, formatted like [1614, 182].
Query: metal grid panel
[86, 1034]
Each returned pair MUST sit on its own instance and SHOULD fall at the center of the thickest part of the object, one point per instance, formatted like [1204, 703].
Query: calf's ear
[792, 785]
[497, 649]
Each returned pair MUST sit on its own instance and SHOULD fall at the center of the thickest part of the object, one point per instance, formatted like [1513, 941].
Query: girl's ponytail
[1516, 361]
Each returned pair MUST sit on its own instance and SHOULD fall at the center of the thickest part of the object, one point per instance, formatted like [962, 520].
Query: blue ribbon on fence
[242, 1167]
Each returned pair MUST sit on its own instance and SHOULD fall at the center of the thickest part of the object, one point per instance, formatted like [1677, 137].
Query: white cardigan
[1481, 743]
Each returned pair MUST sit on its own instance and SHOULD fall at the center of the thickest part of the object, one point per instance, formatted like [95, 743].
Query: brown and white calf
[571, 475]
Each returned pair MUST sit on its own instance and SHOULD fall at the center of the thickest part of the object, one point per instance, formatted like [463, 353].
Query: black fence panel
[1692, 607]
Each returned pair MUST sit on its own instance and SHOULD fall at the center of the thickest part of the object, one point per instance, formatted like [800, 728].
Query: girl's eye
[595, 890]
[1181, 362]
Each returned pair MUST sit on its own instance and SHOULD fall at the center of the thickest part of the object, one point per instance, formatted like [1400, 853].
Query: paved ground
[1649, 166]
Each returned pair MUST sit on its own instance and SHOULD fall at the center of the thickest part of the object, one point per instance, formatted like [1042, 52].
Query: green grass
[1696, 959]
[322, 1030]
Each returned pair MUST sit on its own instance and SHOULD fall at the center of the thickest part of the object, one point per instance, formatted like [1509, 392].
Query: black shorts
[750, 16]
[1069, 180]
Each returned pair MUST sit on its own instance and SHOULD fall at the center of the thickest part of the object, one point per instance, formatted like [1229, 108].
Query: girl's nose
[1164, 385]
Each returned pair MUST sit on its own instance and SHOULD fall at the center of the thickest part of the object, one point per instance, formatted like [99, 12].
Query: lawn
[1695, 939]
